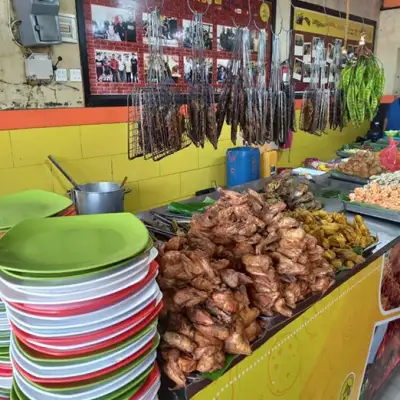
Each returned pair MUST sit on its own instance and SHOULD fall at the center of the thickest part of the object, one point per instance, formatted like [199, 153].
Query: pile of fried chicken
[241, 259]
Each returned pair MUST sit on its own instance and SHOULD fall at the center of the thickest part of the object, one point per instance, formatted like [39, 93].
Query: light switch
[75, 75]
[61, 75]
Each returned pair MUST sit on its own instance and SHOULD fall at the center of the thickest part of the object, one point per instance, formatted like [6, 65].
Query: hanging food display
[261, 114]
[201, 103]
[234, 105]
[316, 98]
[157, 127]
[241, 259]
[363, 82]
[337, 115]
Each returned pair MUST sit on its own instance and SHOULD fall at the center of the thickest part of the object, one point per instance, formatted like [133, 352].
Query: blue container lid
[243, 149]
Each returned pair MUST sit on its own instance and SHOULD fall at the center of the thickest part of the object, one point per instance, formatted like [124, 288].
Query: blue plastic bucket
[242, 165]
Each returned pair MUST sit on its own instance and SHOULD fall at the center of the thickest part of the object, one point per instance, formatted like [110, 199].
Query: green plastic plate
[18, 207]
[126, 392]
[130, 389]
[37, 357]
[72, 245]
[104, 379]
[55, 277]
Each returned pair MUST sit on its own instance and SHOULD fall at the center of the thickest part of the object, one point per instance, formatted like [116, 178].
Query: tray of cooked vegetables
[380, 198]
[349, 150]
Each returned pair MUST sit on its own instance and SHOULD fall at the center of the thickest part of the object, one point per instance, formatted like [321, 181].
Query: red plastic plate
[98, 346]
[87, 337]
[55, 382]
[84, 307]
[150, 381]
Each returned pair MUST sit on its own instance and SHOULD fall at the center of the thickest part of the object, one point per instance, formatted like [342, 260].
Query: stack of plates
[83, 302]
[5, 363]
[17, 207]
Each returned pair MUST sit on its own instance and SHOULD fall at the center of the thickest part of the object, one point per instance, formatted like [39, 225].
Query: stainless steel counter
[386, 231]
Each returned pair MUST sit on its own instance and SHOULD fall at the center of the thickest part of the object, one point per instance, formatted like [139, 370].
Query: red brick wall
[216, 15]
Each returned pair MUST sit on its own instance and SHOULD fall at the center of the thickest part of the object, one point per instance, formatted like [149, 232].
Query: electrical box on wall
[39, 25]
[39, 67]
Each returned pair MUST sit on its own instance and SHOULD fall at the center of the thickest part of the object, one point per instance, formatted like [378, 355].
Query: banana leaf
[217, 374]
[188, 209]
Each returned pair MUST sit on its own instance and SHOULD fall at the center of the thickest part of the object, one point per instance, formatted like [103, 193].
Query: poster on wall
[310, 26]
[115, 45]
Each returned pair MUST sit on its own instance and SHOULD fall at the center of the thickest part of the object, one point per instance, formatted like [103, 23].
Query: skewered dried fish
[156, 124]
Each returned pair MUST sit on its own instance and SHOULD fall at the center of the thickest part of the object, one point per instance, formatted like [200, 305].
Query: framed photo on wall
[114, 44]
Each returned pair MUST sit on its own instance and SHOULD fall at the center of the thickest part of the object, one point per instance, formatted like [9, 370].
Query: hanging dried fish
[156, 125]
[203, 121]
[337, 117]
[315, 104]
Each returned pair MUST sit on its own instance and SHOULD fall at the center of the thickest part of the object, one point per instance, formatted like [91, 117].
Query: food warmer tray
[349, 178]
[372, 211]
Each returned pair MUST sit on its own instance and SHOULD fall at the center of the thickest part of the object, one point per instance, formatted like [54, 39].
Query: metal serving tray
[349, 178]
[372, 211]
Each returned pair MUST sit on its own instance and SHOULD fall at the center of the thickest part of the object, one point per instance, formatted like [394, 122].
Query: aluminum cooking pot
[99, 198]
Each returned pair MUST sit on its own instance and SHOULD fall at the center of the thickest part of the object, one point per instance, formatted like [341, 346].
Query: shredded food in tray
[387, 196]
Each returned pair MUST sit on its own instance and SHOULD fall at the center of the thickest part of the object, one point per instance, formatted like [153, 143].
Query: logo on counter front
[347, 387]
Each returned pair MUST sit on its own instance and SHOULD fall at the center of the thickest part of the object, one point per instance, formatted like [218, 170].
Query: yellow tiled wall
[98, 153]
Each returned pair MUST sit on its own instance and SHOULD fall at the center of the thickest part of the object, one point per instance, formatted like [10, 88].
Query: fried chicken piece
[288, 223]
[176, 243]
[322, 285]
[242, 248]
[256, 238]
[171, 367]
[178, 323]
[225, 301]
[219, 265]
[292, 294]
[176, 271]
[269, 283]
[276, 208]
[280, 307]
[249, 315]
[211, 362]
[189, 297]
[169, 305]
[234, 278]
[180, 342]
[218, 331]
[205, 341]
[293, 253]
[172, 257]
[222, 253]
[253, 331]
[203, 266]
[242, 297]
[264, 301]
[237, 342]
[263, 261]
[201, 242]
[219, 314]
[186, 364]
[166, 283]
[287, 267]
[271, 238]
[234, 198]
[294, 234]
[203, 284]
[199, 316]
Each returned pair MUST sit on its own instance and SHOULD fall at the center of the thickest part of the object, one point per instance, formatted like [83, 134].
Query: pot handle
[127, 191]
